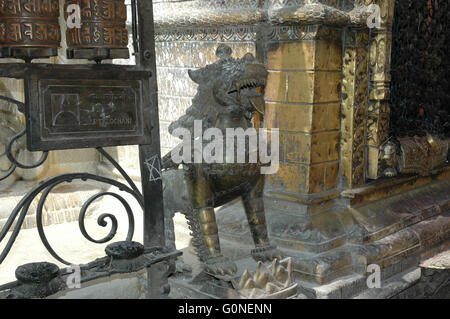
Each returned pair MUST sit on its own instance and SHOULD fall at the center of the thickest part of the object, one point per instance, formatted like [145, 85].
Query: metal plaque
[96, 107]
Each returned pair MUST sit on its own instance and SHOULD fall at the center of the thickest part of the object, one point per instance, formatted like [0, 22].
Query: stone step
[388, 216]
[62, 205]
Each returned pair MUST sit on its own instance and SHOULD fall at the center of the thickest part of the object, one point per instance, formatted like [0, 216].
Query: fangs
[247, 83]
[258, 103]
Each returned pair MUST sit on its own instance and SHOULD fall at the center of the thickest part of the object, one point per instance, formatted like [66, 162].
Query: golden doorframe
[366, 97]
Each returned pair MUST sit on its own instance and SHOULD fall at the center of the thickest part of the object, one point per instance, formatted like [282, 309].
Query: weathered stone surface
[119, 286]
[382, 218]
[200, 13]
[394, 286]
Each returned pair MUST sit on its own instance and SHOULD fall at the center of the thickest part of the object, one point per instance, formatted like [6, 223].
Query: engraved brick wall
[176, 53]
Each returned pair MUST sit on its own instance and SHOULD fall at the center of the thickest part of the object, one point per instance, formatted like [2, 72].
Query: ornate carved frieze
[354, 107]
[378, 115]
[298, 33]
[224, 34]
[249, 33]
[208, 13]
[278, 12]
[415, 155]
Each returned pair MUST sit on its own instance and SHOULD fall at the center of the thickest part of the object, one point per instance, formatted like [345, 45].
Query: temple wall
[175, 55]
[328, 93]
[329, 206]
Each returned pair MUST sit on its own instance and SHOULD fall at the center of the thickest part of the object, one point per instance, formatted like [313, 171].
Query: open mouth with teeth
[252, 89]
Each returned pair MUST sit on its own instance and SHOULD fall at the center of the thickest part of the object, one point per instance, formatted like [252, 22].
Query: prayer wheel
[29, 29]
[101, 33]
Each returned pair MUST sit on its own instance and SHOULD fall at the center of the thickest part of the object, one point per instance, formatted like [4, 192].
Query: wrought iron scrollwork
[20, 105]
[15, 162]
[46, 187]
[9, 172]
[9, 145]
[102, 219]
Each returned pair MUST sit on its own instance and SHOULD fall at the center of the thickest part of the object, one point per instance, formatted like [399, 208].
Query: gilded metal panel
[354, 107]
[378, 115]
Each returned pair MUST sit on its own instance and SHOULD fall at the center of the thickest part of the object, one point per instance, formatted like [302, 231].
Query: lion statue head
[229, 86]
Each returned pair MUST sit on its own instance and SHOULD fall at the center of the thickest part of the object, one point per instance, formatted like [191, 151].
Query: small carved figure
[414, 155]
[389, 159]
[230, 95]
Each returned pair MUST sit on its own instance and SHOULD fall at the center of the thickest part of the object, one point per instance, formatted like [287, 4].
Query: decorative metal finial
[124, 250]
[37, 273]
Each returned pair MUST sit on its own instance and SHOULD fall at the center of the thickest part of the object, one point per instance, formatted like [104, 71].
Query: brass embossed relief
[103, 26]
[354, 107]
[380, 44]
[414, 155]
[29, 24]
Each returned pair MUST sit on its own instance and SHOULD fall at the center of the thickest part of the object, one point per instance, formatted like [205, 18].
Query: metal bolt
[165, 290]
[147, 55]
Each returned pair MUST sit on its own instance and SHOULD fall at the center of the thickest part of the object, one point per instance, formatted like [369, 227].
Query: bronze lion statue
[230, 96]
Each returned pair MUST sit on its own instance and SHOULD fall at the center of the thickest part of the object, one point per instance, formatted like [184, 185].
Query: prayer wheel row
[96, 29]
